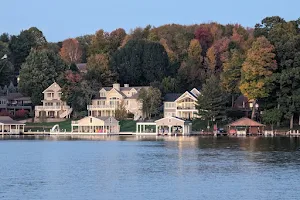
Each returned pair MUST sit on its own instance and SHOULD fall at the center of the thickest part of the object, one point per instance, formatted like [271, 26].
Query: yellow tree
[212, 60]
[259, 65]
[195, 50]
[171, 54]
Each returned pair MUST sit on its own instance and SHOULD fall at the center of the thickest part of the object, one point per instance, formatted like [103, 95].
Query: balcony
[19, 106]
[51, 108]
[101, 107]
[186, 108]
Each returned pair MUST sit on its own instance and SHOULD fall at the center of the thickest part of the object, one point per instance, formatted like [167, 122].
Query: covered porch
[10, 126]
[146, 127]
[165, 126]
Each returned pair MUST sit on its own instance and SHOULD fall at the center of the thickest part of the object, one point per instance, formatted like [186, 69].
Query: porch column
[2, 131]
[9, 128]
[183, 133]
[18, 129]
[137, 128]
[170, 130]
[156, 129]
[144, 127]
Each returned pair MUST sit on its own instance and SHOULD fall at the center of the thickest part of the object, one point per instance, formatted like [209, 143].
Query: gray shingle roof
[171, 96]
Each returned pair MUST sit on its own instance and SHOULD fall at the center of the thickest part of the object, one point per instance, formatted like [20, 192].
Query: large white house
[109, 99]
[181, 105]
[53, 106]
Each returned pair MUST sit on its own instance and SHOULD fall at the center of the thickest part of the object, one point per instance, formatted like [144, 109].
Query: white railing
[52, 107]
[90, 107]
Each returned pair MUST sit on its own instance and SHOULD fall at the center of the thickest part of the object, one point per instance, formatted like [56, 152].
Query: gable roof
[50, 87]
[245, 122]
[188, 93]
[175, 118]
[119, 92]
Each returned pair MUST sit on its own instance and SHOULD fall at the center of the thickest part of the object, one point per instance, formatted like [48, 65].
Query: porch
[10, 126]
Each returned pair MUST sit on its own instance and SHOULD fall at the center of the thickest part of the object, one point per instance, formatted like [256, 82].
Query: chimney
[126, 85]
[116, 86]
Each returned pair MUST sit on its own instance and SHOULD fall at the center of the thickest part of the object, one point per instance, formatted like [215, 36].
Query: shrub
[21, 113]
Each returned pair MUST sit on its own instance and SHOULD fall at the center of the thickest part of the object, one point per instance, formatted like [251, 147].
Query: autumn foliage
[71, 51]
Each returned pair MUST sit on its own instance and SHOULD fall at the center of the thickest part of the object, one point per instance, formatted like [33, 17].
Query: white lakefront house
[53, 107]
[109, 99]
[181, 105]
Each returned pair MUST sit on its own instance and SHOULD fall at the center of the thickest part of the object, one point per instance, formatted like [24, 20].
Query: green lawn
[48, 125]
[127, 126]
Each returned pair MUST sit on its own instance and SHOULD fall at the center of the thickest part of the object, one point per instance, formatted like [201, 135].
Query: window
[59, 94]
[49, 95]
[102, 94]
[91, 120]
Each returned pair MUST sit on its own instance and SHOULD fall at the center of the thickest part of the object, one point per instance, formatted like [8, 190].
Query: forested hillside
[262, 63]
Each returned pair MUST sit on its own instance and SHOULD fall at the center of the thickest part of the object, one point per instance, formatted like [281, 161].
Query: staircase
[136, 117]
[66, 113]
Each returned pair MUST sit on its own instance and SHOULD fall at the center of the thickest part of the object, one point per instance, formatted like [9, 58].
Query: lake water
[162, 168]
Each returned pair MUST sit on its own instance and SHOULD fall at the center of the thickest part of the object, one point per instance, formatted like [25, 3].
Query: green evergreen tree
[41, 69]
[140, 62]
[211, 104]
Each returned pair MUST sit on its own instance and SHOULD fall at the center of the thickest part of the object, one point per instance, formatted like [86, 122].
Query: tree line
[224, 61]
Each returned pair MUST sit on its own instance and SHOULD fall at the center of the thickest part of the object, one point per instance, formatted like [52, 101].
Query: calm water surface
[128, 168]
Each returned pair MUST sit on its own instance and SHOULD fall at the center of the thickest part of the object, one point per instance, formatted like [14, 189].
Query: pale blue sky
[61, 19]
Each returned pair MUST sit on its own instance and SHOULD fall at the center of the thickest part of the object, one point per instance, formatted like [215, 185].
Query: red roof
[245, 122]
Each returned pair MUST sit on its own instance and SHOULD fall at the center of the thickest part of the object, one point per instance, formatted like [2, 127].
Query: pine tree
[211, 104]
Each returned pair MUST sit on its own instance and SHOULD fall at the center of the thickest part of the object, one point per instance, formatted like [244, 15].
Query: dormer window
[102, 94]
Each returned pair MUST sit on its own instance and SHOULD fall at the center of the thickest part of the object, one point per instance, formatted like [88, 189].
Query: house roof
[23, 98]
[171, 96]
[241, 102]
[189, 93]
[82, 67]
[8, 120]
[14, 96]
[122, 91]
[49, 88]
[245, 122]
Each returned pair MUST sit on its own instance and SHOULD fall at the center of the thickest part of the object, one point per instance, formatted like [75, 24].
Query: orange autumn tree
[71, 51]
[258, 66]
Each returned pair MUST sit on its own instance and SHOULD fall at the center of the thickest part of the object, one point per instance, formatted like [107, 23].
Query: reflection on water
[130, 167]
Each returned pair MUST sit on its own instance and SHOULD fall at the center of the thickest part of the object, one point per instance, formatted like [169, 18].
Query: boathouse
[104, 125]
[165, 126]
[10, 126]
[245, 126]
